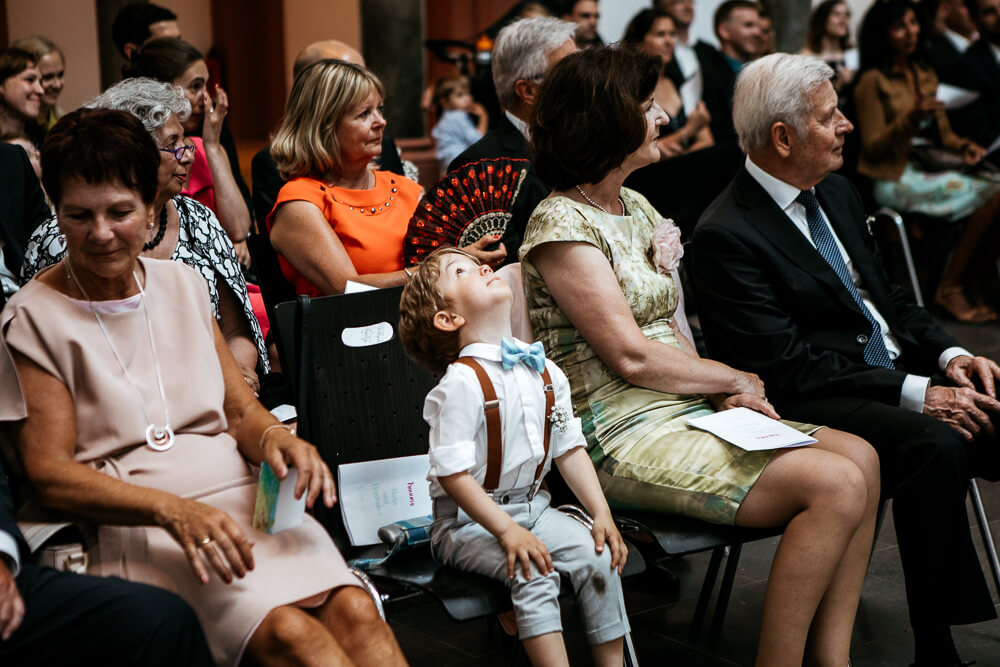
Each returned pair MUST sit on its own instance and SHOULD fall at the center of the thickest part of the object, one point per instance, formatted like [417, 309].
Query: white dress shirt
[693, 86]
[996, 52]
[914, 386]
[454, 411]
[8, 552]
[521, 126]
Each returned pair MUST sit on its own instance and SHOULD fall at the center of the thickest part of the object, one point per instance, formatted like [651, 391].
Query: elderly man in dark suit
[791, 287]
[523, 53]
[978, 69]
[59, 618]
[22, 209]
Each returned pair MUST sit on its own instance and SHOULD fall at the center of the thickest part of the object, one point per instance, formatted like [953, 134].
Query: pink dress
[61, 335]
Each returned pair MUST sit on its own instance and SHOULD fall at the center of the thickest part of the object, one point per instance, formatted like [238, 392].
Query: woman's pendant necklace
[158, 438]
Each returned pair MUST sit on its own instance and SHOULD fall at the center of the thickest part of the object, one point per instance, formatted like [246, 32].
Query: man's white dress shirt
[914, 386]
[693, 86]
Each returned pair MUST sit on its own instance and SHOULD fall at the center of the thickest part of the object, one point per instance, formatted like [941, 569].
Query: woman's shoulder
[301, 187]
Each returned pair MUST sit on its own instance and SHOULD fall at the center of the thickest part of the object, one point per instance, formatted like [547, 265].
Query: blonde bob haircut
[322, 94]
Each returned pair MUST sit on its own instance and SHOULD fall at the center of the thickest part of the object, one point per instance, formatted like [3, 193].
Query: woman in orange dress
[337, 218]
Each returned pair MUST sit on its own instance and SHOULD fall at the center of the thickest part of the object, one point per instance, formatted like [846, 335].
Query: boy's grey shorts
[464, 544]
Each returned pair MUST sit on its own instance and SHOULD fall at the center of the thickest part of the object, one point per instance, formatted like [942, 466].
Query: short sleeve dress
[62, 336]
[646, 455]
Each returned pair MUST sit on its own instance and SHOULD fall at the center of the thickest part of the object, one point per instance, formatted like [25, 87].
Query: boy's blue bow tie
[533, 355]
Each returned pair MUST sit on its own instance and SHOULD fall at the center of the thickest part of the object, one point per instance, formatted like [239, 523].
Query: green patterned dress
[646, 455]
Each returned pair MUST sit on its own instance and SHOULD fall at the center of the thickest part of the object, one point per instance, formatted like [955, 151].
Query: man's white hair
[149, 100]
[772, 89]
[521, 50]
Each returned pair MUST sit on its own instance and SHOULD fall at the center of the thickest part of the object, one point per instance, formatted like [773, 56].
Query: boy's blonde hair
[447, 85]
[322, 94]
[421, 300]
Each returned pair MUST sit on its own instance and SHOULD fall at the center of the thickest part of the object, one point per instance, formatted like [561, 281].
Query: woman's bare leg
[969, 245]
[609, 654]
[291, 636]
[822, 496]
[351, 618]
[830, 635]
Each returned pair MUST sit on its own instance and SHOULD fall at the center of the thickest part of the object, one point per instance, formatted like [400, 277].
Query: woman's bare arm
[305, 238]
[237, 333]
[598, 310]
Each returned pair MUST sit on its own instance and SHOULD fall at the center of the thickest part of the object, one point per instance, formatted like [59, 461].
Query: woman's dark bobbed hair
[100, 146]
[588, 116]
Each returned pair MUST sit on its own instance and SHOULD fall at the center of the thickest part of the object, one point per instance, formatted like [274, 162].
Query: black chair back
[355, 403]
[273, 286]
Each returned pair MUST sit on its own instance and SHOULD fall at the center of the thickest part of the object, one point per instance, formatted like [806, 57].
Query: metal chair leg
[707, 586]
[725, 590]
[984, 531]
[631, 659]
[372, 591]
[904, 242]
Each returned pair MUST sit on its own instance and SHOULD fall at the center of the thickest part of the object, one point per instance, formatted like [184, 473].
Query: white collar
[996, 52]
[961, 42]
[521, 126]
[782, 193]
[487, 350]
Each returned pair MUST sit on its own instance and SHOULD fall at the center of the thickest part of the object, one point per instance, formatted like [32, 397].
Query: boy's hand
[606, 532]
[522, 545]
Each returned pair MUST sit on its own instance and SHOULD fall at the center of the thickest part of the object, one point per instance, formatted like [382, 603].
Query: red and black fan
[467, 204]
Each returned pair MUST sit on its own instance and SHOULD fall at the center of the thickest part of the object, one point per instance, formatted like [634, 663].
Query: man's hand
[11, 604]
[962, 409]
[964, 370]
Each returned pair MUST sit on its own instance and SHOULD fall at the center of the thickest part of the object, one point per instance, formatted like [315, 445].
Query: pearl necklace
[159, 439]
[593, 203]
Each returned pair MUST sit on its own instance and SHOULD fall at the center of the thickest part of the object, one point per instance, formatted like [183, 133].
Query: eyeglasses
[180, 151]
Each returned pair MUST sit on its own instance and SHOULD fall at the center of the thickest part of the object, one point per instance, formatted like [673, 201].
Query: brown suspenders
[494, 438]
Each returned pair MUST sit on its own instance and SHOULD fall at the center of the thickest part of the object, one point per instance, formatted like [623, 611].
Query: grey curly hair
[149, 100]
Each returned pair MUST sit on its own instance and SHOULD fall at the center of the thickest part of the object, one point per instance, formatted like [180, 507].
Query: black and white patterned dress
[202, 244]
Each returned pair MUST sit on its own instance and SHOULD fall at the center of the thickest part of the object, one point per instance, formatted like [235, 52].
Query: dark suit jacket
[769, 303]
[718, 81]
[22, 205]
[506, 141]
[267, 181]
[941, 55]
[977, 69]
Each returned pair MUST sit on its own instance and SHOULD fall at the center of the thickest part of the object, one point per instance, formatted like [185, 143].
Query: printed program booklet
[277, 508]
[373, 494]
[751, 430]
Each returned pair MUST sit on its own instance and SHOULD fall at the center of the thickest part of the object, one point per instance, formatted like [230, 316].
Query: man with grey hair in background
[523, 53]
[791, 286]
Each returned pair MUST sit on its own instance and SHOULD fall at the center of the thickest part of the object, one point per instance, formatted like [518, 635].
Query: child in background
[496, 415]
[455, 131]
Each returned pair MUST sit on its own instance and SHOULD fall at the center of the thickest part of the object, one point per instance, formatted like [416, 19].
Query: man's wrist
[913, 392]
[950, 354]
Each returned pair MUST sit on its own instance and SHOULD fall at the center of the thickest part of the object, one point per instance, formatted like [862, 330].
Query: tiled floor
[660, 609]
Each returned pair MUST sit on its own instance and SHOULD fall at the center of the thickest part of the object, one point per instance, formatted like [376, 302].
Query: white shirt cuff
[950, 354]
[914, 390]
[8, 547]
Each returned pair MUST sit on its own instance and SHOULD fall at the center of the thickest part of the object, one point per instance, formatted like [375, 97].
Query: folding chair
[366, 403]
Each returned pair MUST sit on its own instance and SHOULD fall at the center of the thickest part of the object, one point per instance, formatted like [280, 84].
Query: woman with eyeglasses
[182, 229]
[215, 178]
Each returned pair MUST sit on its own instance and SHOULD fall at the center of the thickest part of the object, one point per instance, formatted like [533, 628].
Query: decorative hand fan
[467, 204]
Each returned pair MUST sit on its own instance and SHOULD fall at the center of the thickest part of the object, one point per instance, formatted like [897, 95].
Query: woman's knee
[840, 486]
[286, 629]
[352, 609]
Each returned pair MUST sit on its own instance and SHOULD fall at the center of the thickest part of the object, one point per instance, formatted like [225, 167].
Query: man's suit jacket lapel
[761, 212]
[511, 140]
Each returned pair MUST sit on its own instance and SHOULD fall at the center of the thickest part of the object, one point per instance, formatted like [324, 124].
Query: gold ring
[206, 541]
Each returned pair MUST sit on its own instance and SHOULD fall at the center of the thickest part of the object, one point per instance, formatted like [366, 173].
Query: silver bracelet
[407, 271]
[264, 432]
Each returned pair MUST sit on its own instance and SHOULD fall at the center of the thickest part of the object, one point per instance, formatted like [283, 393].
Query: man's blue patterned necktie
[876, 353]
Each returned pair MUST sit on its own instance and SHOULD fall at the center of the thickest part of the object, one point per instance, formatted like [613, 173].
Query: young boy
[454, 310]
[454, 131]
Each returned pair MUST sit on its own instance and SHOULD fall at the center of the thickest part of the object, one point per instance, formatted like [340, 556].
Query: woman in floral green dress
[596, 260]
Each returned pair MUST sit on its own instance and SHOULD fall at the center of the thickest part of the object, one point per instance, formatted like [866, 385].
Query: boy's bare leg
[547, 650]
[609, 654]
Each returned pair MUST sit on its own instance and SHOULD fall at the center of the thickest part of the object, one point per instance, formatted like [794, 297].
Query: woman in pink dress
[134, 418]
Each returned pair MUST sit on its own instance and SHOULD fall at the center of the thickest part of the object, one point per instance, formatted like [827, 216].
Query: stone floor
[660, 611]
